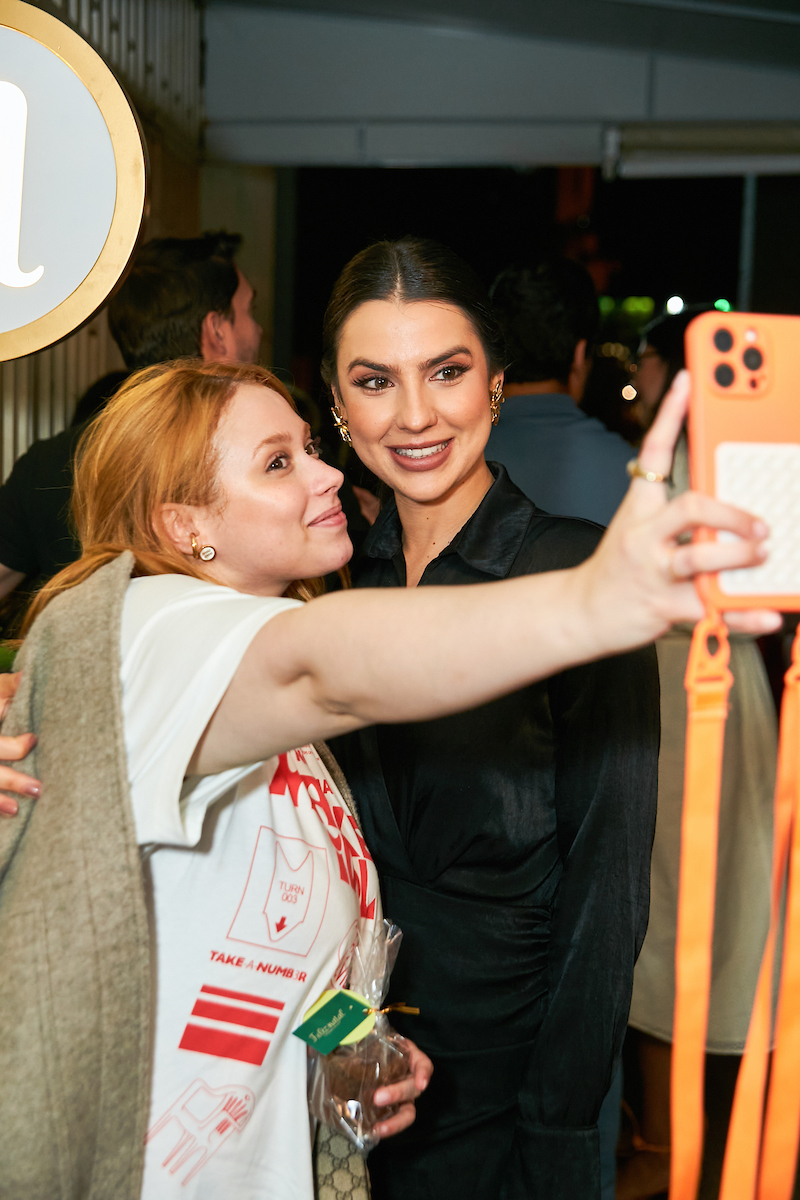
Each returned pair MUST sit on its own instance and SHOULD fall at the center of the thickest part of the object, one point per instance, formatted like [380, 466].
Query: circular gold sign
[72, 180]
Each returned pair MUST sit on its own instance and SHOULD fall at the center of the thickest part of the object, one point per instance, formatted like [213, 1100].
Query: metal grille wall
[154, 48]
[39, 392]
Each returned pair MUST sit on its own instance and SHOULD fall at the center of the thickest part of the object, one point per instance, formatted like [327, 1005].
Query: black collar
[490, 540]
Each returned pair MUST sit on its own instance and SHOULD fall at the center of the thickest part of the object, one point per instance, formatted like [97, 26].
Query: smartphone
[744, 445]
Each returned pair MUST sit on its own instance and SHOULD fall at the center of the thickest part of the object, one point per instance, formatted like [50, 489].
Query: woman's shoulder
[537, 540]
[554, 543]
[149, 595]
[155, 591]
[184, 607]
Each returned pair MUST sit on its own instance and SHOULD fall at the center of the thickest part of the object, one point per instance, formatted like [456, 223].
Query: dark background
[648, 237]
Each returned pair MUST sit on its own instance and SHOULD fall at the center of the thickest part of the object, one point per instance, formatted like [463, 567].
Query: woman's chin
[425, 488]
[338, 557]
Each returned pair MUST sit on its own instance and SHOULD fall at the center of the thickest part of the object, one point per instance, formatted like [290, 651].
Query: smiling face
[414, 384]
[279, 519]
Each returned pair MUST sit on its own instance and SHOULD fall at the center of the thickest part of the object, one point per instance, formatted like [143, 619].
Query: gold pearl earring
[341, 424]
[206, 553]
[496, 398]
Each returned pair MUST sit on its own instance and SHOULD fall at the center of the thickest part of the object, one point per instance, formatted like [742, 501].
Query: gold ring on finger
[637, 471]
[674, 577]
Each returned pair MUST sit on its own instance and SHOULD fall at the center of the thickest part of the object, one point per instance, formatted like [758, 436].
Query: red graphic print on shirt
[345, 836]
[289, 894]
[224, 1016]
[285, 895]
[196, 1125]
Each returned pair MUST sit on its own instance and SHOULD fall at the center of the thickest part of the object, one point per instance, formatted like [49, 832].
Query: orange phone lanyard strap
[782, 1123]
[744, 1136]
[708, 683]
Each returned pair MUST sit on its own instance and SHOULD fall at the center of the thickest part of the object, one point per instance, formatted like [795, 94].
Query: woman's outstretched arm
[355, 658]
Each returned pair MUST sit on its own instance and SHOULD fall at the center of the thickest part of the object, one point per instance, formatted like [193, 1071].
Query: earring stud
[206, 553]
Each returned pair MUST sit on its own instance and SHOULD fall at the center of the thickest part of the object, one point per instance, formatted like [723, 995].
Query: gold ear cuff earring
[496, 398]
[341, 424]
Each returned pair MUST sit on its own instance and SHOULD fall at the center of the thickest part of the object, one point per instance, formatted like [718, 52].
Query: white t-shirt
[256, 905]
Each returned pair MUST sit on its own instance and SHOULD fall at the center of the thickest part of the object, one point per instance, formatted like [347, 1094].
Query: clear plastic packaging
[342, 1084]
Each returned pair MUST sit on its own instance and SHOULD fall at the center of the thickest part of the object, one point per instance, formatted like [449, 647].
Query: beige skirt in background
[745, 850]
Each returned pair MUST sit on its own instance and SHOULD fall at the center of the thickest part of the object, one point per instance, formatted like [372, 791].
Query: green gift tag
[334, 1017]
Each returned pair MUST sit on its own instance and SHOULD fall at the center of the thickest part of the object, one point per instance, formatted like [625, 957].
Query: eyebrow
[276, 438]
[426, 366]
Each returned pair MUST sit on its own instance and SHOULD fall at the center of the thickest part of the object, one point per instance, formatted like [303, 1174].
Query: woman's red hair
[153, 444]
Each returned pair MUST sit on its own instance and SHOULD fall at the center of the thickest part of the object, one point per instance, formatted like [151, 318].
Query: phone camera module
[723, 340]
[724, 374]
[752, 358]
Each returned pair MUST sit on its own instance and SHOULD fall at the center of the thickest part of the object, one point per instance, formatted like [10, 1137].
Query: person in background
[35, 535]
[745, 847]
[659, 359]
[563, 460]
[184, 297]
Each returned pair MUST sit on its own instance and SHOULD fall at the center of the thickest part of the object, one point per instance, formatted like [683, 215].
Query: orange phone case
[744, 444]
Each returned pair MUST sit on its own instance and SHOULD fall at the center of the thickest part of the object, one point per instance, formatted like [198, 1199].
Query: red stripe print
[216, 991]
[224, 1045]
[236, 1016]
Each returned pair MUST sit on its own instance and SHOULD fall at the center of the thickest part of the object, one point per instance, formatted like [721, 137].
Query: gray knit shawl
[75, 1009]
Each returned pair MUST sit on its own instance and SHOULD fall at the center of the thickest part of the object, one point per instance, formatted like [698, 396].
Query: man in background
[568, 463]
[184, 297]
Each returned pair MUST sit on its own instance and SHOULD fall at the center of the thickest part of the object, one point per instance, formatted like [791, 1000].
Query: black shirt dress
[513, 846]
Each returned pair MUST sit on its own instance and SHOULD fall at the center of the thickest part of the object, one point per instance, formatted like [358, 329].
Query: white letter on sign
[13, 122]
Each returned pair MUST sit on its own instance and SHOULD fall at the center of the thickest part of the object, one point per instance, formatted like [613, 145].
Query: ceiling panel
[738, 31]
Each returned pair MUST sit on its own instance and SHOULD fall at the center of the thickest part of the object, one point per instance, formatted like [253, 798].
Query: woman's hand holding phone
[640, 580]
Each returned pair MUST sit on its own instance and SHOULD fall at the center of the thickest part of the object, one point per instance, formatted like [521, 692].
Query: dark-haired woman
[512, 841]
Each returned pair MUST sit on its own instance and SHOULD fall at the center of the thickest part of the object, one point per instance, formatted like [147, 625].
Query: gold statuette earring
[496, 398]
[206, 553]
[341, 424]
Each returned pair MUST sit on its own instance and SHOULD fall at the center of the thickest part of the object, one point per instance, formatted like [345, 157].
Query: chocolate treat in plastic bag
[342, 1083]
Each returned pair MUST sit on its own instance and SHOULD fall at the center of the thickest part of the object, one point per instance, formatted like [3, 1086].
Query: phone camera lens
[752, 358]
[724, 375]
[723, 340]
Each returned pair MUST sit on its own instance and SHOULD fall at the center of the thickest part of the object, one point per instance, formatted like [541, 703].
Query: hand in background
[405, 1092]
[14, 749]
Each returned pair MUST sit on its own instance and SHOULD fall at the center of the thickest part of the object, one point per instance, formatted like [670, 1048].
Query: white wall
[292, 89]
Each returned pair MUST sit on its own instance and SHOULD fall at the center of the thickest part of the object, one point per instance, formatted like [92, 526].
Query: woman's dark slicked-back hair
[410, 269]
